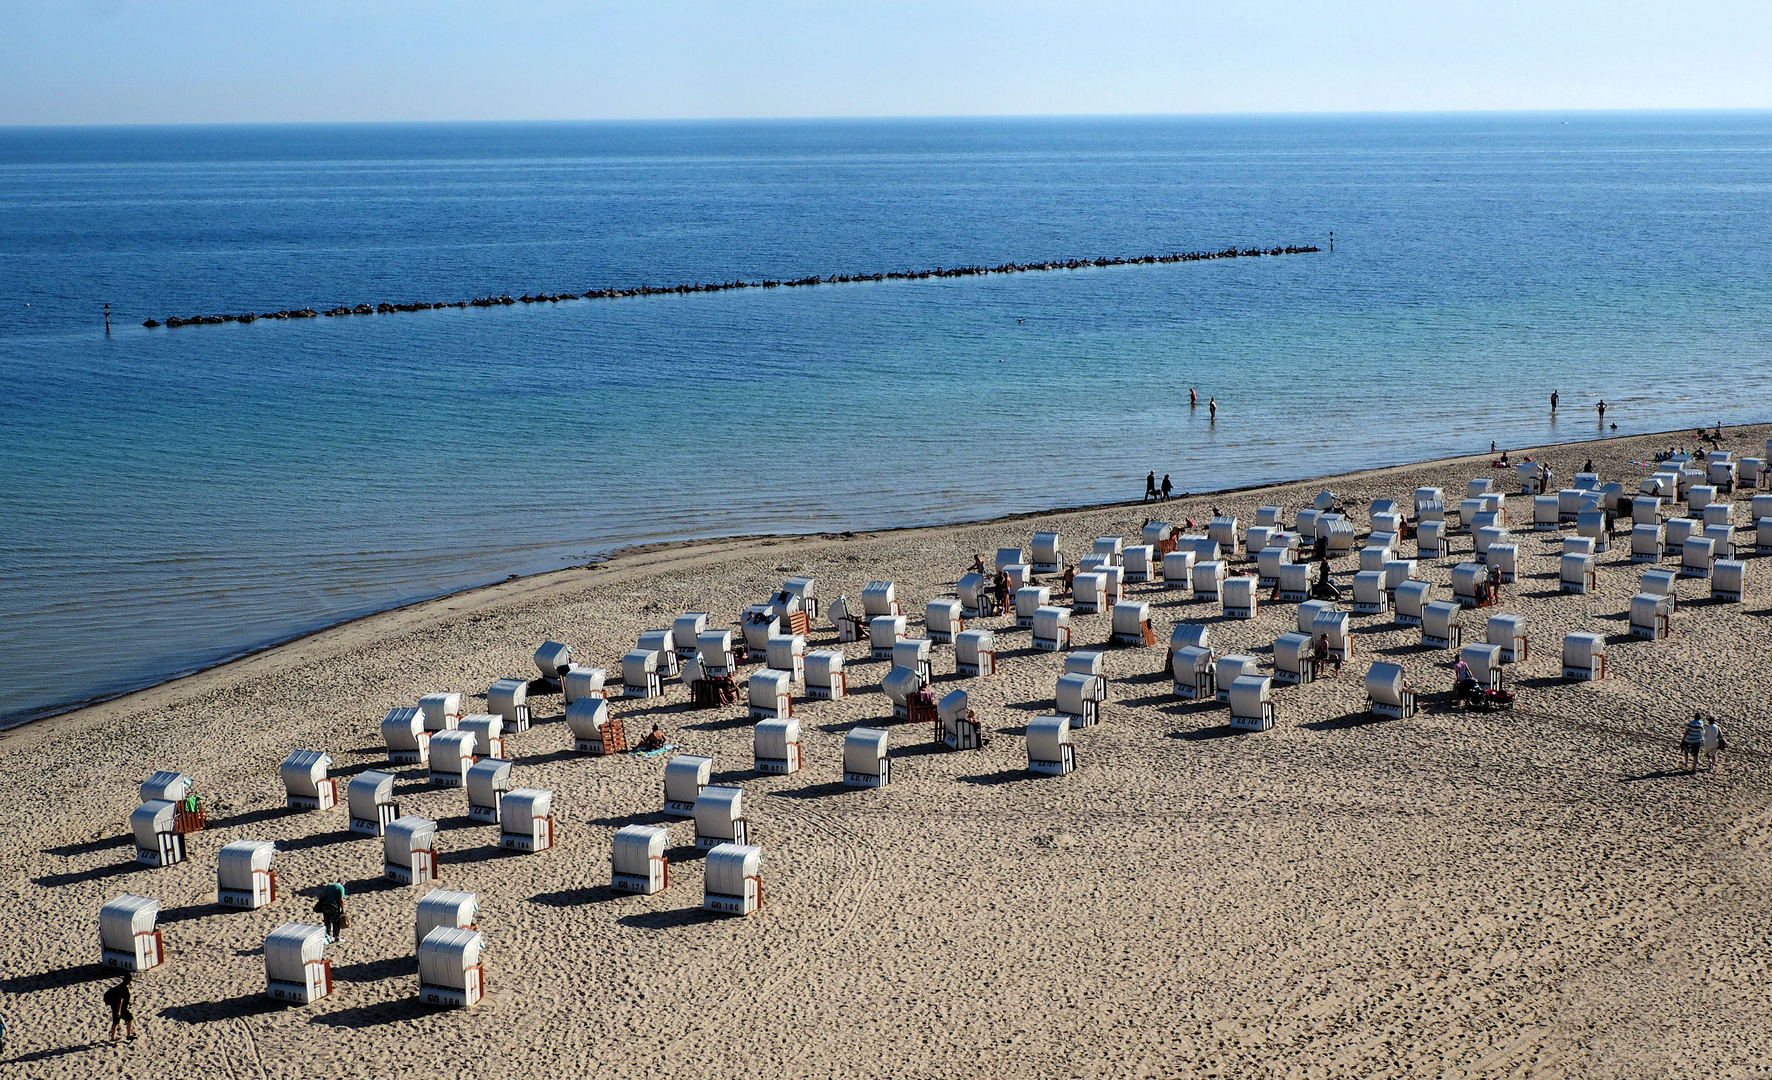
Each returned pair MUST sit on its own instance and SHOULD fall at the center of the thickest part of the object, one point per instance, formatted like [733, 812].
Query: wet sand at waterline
[1462, 894]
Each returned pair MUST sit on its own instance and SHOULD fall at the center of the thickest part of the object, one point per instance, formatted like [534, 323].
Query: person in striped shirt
[1689, 745]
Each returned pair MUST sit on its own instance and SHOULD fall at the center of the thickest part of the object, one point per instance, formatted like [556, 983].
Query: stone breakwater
[722, 286]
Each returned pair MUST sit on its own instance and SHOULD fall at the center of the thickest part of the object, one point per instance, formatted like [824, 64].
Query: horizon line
[1322, 114]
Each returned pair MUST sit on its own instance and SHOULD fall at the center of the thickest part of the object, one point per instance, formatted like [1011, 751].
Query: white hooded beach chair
[594, 728]
[1086, 662]
[1427, 498]
[1047, 558]
[1268, 562]
[165, 786]
[441, 711]
[1722, 538]
[1505, 558]
[1647, 543]
[1569, 502]
[1306, 523]
[1370, 596]
[1487, 535]
[1159, 535]
[1412, 596]
[370, 799]
[508, 699]
[409, 851]
[788, 654]
[1029, 600]
[1020, 576]
[637, 862]
[1646, 510]
[775, 746]
[1010, 557]
[489, 734]
[526, 820]
[1256, 539]
[1228, 669]
[306, 783]
[884, 633]
[553, 659]
[975, 595]
[1396, 572]
[1178, 570]
[1192, 669]
[1271, 516]
[1295, 582]
[684, 777]
[408, 742]
[1374, 556]
[1078, 697]
[719, 817]
[1478, 486]
[825, 678]
[1251, 702]
[770, 694]
[1651, 616]
[1698, 556]
[804, 589]
[1468, 511]
[1141, 564]
[1433, 540]
[1719, 513]
[452, 754]
[1341, 536]
[639, 674]
[942, 620]
[901, 685]
[1293, 659]
[1484, 662]
[1089, 593]
[1387, 521]
[1465, 579]
[1727, 576]
[157, 839]
[1209, 577]
[1108, 548]
[1132, 624]
[1204, 547]
[733, 881]
[975, 653]
[1660, 582]
[296, 969]
[446, 908]
[1509, 632]
[243, 874]
[1584, 657]
[1308, 611]
[1240, 597]
[1337, 627]
[1592, 524]
[1441, 625]
[879, 598]
[1679, 530]
[1531, 479]
[686, 632]
[450, 973]
[1182, 635]
[914, 653]
[865, 763]
[1753, 473]
[1388, 693]
[1763, 535]
[486, 783]
[713, 650]
[664, 643]
[1052, 629]
[1700, 496]
[960, 729]
[758, 627]
[127, 937]
[1576, 574]
[1223, 530]
[1050, 752]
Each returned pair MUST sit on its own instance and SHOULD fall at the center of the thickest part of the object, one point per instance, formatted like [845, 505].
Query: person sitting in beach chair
[653, 741]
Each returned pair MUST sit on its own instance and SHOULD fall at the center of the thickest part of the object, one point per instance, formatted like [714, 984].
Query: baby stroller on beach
[1467, 693]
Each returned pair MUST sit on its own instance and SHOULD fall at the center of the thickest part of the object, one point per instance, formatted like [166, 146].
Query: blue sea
[174, 497]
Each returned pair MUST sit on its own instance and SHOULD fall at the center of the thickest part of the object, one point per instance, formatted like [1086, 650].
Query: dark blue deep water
[172, 497]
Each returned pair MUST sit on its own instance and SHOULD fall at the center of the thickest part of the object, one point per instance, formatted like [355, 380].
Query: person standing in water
[1212, 406]
[1553, 401]
[1602, 407]
[1193, 398]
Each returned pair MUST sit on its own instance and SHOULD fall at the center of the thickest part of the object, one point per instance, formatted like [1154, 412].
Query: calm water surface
[173, 497]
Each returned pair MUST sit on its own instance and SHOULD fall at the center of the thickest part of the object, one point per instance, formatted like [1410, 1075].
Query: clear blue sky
[161, 61]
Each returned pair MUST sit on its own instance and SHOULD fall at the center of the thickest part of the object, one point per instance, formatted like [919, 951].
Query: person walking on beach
[1711, 743]
[1553, 401]
[1150, 486]
[1689, 746]
[1167, 487]
[117, 999]
[1212, 407]
[331, 907]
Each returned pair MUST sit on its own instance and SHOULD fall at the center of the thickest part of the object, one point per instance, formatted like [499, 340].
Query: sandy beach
[1538, 892]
